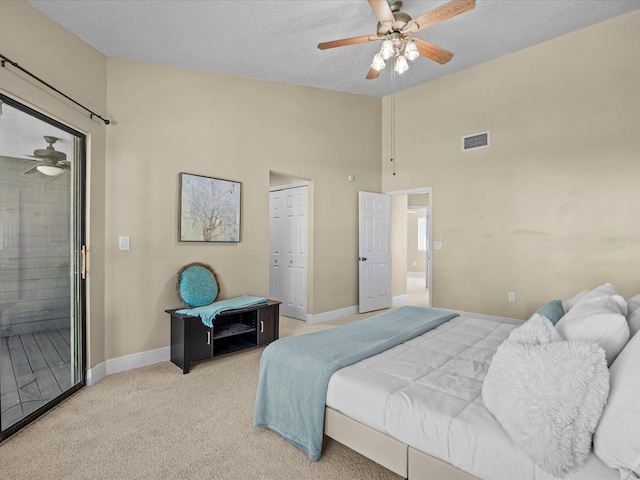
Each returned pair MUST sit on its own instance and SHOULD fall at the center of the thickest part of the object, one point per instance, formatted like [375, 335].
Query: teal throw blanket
[295, 371]
[209, 312]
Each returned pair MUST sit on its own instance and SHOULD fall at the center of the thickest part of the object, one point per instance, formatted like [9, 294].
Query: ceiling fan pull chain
[393, 120]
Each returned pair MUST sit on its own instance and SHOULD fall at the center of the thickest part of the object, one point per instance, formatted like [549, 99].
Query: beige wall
[553, 206]
[169, 120]
[548, 210]
[398, 245]
[43, 47]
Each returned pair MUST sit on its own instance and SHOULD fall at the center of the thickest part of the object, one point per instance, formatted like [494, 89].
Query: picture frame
[209, 209]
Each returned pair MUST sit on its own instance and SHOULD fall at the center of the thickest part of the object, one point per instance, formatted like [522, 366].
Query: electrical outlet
[512, 296]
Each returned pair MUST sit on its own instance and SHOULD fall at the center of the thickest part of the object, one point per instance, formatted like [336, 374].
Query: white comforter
[427, 393]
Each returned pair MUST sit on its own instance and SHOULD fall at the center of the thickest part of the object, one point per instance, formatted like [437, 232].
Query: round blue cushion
[198, 286]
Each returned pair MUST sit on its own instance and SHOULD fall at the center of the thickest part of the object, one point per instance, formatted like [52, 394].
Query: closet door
[289, 240]
[276, 258]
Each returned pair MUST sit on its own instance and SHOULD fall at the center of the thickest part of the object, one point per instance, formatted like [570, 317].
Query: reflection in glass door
[41, 263]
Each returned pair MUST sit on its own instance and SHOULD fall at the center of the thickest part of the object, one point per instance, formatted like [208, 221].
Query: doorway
[413, 261]
[417, 248]
[42, 355]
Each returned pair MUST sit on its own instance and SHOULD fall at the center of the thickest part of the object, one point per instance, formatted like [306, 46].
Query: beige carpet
[156, 423]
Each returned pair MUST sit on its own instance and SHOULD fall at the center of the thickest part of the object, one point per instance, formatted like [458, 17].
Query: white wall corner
[97, 373]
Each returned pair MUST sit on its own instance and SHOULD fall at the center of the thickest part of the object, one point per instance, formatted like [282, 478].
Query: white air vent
[475, 141]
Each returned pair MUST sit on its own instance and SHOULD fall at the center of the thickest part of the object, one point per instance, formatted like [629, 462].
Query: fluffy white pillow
[616, 440]
[596, 320]
[633, 317]
[547, 394]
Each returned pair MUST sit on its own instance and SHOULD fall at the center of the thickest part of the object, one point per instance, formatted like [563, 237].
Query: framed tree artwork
[209, 209]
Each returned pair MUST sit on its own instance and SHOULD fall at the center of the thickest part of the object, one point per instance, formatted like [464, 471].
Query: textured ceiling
[277, 39]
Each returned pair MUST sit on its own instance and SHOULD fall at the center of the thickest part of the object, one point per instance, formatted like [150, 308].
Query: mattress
[427, 393]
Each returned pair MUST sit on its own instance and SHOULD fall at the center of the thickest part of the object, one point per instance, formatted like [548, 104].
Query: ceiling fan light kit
[50, 170]
[53, 163]
[395, 29]
[394, 46]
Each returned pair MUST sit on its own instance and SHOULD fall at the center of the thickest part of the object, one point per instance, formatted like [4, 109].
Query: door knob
[362, 259]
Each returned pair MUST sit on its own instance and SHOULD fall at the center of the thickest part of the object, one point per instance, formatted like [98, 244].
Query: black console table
[233, 330]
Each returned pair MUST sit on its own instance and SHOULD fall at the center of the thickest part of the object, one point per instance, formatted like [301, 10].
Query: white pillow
[616, 441]
[570, 302]
[633, 317]
[606, 290]
[596, 320]
[634, 303]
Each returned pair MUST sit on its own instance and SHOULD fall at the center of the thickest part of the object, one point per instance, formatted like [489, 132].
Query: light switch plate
[437, 245]
[123, 242]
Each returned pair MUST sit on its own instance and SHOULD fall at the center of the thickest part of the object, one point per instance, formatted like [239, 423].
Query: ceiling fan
[51, 162]
[395, 29]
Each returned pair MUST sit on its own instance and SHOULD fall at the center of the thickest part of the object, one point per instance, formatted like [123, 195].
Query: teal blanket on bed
[209, 312]
[295, 371]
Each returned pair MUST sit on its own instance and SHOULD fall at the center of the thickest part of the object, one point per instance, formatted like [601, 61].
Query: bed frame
[398, 457]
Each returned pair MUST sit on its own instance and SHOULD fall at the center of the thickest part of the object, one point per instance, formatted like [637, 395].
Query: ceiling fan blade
[347, 41]
[373, 73]
[384, 14]
[433, 52]
[439, 14]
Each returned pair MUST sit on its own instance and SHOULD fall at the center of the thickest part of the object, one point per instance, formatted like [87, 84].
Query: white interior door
[276, 258]
[374, 256]
[289, 240]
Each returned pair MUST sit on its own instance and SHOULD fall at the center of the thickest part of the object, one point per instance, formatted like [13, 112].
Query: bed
[418, 407]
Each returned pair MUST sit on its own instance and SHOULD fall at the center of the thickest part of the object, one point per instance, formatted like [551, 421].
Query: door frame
[429, 192]
[78, 293]
[290, 186]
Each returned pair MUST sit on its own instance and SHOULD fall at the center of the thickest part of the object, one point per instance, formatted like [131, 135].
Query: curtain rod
[91, 113]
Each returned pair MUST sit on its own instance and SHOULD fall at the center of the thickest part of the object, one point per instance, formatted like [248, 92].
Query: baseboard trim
[332, 315]
[417, 274]
[343, 312]
[137, 360]
[95, 374]
[127, 362]
[399, 299]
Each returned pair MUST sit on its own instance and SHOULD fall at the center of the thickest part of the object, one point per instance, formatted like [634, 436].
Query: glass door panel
[41, 285]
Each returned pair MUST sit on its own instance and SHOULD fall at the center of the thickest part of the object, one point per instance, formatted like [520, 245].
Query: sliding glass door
[41, 264]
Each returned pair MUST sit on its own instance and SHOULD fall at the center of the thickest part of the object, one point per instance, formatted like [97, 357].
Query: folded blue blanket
[295, 371]
[209, 312]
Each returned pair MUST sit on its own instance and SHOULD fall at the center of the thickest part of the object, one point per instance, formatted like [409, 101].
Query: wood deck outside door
[34, 369]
